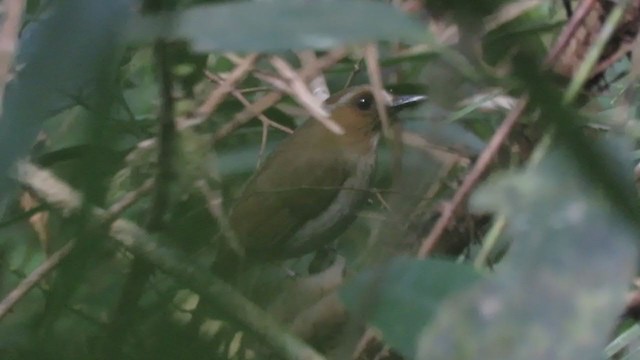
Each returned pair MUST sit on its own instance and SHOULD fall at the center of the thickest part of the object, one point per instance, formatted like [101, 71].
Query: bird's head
[355, 108]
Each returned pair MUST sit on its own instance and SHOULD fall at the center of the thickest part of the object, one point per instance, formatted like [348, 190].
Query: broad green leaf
[279, 25]
[561, 287]
[61, 57]
[403, 296]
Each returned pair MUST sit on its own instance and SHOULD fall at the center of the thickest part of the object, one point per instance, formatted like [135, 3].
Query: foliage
[536, 266]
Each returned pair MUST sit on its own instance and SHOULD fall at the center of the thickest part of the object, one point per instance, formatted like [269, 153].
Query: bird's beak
[400, 101]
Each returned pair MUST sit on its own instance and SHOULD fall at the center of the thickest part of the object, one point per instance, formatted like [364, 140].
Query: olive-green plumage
[309, 189]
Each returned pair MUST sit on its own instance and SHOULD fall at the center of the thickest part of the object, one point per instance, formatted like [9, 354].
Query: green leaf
[61, 56]
[279, 25]
[561, 287]
[403, 296]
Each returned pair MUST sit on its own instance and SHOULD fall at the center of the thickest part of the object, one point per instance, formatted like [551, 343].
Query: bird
[309, 189]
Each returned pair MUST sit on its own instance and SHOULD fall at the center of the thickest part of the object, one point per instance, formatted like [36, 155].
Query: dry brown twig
[472, 178]
[39, 221]
[13, 10]
[140, 243]
[498, 138]
[247, 114]
[568, 33]
[66, 198]
[266, 122]
[34, 278]
[217, 96]
[271, 98]
[509, 12]
[298, 89]
[372, 59]
[126, 201]
[237, 93]
[318, 84]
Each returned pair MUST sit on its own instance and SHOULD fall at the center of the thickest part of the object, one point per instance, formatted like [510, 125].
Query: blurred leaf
[559, 291]
[402, 297]
[279, 25]
[59, 60]
[522, 28]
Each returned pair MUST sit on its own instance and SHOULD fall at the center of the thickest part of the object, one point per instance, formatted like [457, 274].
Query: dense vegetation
[501, 222]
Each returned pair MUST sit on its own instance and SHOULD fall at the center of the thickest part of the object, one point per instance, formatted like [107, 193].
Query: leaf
[279, 25]
[402, 297]
[561, 287]
[60, 58]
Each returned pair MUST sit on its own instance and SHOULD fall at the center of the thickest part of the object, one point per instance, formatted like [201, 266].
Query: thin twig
[54, 260]
[138, 276]
[218, 95]
[382, 201]
[240, 97]
[508, 12]
[372, 59]
[624, 49]
[472, 178]
[370, 335]
[271, 98]
[127, 201]
[318, 84]
[9, 38]
[275, 81]
[38, 221]
[141, 244]
[30, 281]
[247, 114]
[301, 93]
[569, 30]
[584, 72]
[254, 89]
[469, 182]
[357, 66]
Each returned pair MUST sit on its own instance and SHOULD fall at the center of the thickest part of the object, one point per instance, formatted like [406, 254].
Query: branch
[30, 281]
[243, 100]
[67, 201]
[136, 280]
[372, 58]
[472, 178]
[298, 89]
[272, 98]
[8, 37]
[318, 84]
[218, 94]
[166, 140]
[142, 244]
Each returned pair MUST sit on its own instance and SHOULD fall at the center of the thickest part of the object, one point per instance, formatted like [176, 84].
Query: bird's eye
[364, 102]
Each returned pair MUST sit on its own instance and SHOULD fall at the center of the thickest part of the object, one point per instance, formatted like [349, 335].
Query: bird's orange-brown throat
[309, 189]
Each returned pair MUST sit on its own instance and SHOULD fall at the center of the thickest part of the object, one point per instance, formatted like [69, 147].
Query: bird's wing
[290, 189]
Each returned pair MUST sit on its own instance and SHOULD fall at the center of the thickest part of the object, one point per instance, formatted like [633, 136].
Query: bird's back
[298, 197]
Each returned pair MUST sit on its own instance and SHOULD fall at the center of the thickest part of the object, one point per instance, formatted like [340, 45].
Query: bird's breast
[342, 210]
